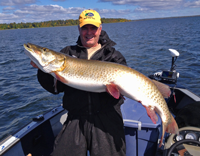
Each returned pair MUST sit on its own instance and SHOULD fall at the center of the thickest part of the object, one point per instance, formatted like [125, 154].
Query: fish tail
[171, 127]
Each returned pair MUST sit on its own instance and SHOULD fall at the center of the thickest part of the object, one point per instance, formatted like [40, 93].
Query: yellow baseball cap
[89, 17]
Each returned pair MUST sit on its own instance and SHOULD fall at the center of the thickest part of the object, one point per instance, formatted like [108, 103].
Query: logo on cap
[89, 14]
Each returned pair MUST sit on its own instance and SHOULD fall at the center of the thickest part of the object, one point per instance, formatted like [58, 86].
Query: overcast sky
[44, 10]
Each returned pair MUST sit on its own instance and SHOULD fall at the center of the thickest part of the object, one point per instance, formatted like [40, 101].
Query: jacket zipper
[89, 104]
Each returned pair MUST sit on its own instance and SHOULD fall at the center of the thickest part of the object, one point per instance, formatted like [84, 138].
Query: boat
[142, 136]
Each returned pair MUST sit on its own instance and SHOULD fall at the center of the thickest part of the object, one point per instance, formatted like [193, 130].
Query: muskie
[99, 76]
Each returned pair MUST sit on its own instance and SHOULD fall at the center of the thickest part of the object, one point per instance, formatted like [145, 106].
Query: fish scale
[99, 76]
[89, 72]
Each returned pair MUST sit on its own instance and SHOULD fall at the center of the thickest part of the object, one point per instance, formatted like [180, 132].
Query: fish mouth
[29, 51]
[32, 48]
[27, 47]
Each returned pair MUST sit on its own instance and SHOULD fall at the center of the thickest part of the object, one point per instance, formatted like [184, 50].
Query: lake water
[144, 44]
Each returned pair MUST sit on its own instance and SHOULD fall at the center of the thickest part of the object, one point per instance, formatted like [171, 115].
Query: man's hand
[34, 65]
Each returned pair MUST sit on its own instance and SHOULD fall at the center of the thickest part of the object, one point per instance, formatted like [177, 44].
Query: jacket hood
[103, 39]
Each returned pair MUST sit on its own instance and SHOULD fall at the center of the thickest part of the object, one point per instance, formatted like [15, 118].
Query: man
[94, 120]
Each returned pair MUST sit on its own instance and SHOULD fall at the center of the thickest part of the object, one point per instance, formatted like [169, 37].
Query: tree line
[54, 23]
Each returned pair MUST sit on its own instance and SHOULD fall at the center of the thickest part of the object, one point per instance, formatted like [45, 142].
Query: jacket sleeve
[47, 82]
[117, 57]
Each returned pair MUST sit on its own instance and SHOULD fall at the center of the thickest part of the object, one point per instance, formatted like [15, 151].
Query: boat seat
[189, 115]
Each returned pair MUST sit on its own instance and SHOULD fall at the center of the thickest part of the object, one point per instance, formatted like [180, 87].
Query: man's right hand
[34, 65]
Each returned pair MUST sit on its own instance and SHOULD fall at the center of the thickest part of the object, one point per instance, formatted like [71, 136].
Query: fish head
[46, 59]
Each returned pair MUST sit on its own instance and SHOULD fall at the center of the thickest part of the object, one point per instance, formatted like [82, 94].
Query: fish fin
[113, 90]
[163, 88]
[163, 133]
[122, 97]
[172, 127]
[174, 97]
[152, 114]
[60, 78]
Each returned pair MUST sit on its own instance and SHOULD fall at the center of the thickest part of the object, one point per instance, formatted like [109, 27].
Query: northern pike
[99, 76]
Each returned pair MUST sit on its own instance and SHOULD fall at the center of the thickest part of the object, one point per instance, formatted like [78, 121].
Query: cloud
[56, 12]
[155, 5]
[38, 13]
[8, 8]
[193, 4]
[48, 9]
[112, 13]
[16, 2]
[8, 18]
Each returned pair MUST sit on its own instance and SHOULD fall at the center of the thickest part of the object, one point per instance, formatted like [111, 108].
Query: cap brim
[97, 24]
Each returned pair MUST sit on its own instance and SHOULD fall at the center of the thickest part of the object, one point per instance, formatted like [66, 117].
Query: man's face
[89, 35]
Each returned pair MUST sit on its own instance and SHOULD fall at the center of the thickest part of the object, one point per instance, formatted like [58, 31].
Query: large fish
[99, 76]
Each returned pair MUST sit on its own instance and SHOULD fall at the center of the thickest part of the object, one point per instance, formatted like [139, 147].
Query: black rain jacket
[79, 102]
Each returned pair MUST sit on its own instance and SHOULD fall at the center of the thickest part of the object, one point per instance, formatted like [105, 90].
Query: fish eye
[44, 49]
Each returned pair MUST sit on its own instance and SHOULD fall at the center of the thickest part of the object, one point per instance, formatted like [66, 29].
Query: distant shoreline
[71, 22]
[165, 18]
[54, 23]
